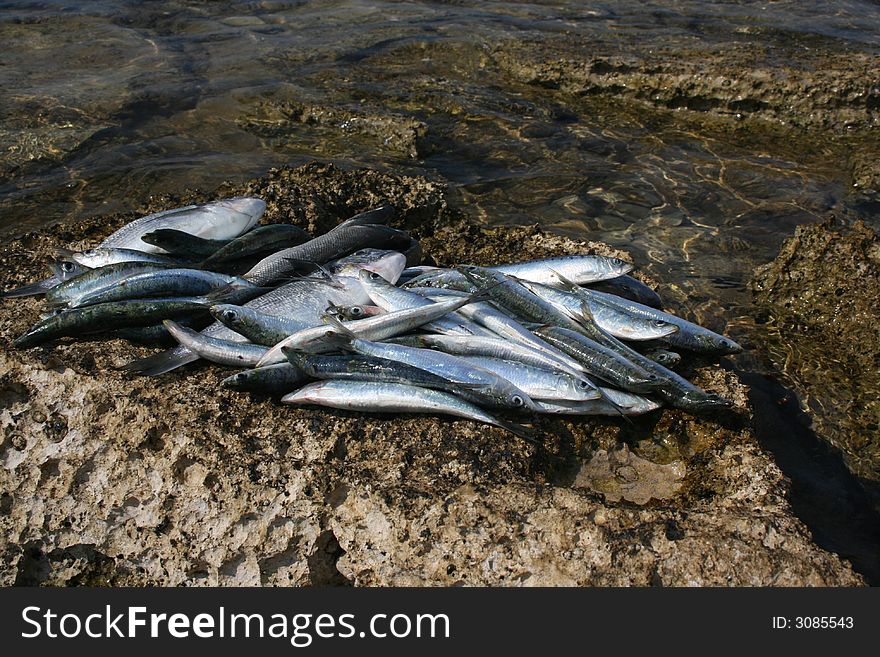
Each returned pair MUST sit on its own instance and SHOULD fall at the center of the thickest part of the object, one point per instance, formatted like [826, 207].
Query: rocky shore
[819, 303]
[113, 480]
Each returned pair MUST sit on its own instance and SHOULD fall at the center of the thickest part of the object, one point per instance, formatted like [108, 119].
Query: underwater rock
[820, 299]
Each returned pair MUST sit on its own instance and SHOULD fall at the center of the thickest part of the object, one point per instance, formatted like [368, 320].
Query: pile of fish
[349, 319]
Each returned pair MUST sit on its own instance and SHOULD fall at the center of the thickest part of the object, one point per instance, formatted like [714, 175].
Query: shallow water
[106, 105]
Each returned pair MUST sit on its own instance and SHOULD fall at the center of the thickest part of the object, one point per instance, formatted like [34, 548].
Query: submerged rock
[110, 479]
[820, 299]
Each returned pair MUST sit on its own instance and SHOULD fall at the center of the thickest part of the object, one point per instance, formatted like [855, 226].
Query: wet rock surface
[819, 298]
[111, 479]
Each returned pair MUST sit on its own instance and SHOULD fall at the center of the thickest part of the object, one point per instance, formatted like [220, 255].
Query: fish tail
[527, 433]
[161, 363]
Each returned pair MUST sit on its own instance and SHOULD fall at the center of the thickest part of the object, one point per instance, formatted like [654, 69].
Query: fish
[609, 318]
[218, 220]
[393, 398]
[318, 339]
[160, 283]
[259, 241]
[502, 325]
[613, 403]
[274, 380]
[306, 299]
[538, 383]
[182, 245]
[259, 328]
[690, 336]
[601, 361]
[578, 268]
[342, 240]
[105, 316]
[103, 256]
[98, 278]
[503, 393]
[356, 367]
[222, 352]
[629, 288]
[510, 293]
[391, 298]
[498, 348]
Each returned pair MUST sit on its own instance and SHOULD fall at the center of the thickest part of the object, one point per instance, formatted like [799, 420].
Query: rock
[113, 479]
[820, 301]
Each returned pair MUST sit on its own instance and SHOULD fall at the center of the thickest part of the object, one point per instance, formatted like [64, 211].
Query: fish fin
[587, 314]
[161, 363]
[297, 359]
[334, 321]
[483, 294]
[566, 283]
[332, 309]
[524, 431]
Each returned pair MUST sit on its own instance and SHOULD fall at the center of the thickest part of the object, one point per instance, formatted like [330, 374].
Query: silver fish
[318, 339]
[305, 299]
[391, 398]
[391, 298]
[225, 219]
[160, 283]
[223, 352]
[536, 382]
[103, 256]
[618, 323]
[620, 403]
[456, 369]
[492, 347]
[578, 268]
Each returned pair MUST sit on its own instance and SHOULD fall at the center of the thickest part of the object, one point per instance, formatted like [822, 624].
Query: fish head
[509, 396]
[373, 281]
[309, 394]
[388, 264]
[709, 401]
[66, 269]
[248, 205]
[226, 313]
[717, 344]
[615, 267]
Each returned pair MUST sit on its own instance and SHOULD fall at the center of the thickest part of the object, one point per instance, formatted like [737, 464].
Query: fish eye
[659, 323]
[361, 252]
[725, 344]
[374, 276]
[356, 311]
[229, 315]
[90, 252]
[517, 401]
[66, 266]
[652, 377]
[583, 385]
